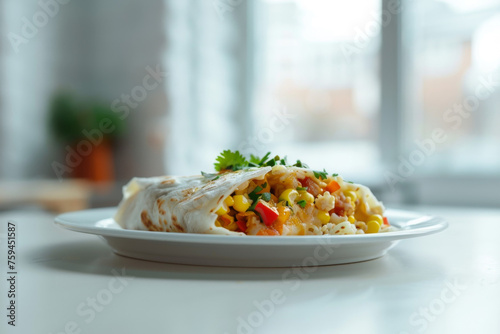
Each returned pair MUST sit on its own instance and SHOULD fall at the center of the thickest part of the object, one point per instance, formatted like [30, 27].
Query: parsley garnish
[323, 175]
[254, 159]
[301, 188]
[230, 160]
[335, 174]
[302, 203]
[261, 162]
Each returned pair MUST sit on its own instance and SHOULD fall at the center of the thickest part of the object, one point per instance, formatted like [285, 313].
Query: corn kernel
[323, 216]
[351, 219]
[289, 195]
[377, 218]
[305, 196]
[229, 201]
[241, 203]
[372, 226]
[352, 195]
[222, 210]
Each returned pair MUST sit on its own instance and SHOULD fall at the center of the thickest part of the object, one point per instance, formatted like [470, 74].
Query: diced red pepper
[386, 221]
[242, 225]
[332, 187]
[268, 214]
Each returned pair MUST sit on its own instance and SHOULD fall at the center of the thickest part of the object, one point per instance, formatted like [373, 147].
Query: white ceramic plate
[249, 251]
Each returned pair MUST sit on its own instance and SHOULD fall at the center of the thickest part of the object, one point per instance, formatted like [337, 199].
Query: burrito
[259, 196]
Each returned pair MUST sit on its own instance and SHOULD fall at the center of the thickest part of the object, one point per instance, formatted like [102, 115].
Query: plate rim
[437, 224]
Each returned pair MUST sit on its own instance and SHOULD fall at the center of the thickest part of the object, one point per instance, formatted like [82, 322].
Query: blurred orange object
[98, 166]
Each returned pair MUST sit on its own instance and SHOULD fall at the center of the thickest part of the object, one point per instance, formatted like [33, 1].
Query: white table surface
[444, 283]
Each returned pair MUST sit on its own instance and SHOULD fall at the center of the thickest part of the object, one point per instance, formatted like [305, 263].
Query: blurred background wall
[400, 95]
[97, 51]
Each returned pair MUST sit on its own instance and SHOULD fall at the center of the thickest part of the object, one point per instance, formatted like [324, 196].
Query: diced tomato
[268, 214]
[386, 221]
[332, 187]
[242, 225]
[312, 187]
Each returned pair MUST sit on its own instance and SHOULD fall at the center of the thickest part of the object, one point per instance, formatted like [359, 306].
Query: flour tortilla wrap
[180, 204]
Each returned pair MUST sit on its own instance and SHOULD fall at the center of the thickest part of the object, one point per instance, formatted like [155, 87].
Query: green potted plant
[87, 129]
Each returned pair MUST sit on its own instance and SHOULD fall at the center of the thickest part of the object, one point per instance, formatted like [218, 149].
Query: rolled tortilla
[180, 204]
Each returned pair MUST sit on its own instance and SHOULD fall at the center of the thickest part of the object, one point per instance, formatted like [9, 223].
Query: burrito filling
[296, 201]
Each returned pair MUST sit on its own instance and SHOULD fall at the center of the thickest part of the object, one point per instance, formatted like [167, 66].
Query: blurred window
[453, 80]
[318, 62]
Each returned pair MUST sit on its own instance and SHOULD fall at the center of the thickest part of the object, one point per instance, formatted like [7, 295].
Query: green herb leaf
[263, 160]
[300, 164]
[323, 175]
[270, 163]
[230, 160]
[335, 174]
[302, 203]
[253, 195]
[301, 188]
[254, 159]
